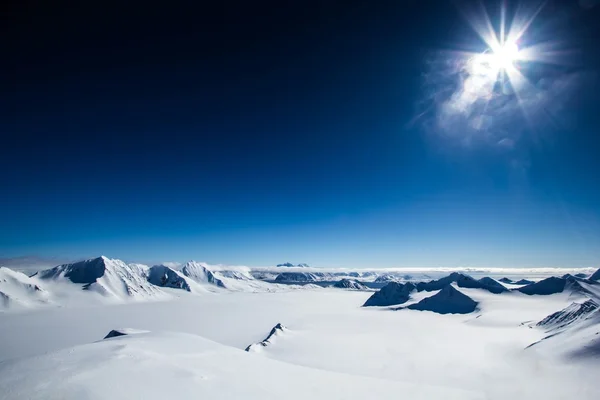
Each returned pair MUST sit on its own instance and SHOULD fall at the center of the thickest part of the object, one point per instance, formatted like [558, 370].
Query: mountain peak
[447, 301]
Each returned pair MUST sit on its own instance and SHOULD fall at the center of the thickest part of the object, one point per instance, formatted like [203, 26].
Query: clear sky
[336, 133]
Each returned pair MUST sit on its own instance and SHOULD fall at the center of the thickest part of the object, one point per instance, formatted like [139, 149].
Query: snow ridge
[277, 330]
[569, 315]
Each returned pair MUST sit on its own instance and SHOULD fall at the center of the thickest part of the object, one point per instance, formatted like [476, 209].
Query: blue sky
[303, 134]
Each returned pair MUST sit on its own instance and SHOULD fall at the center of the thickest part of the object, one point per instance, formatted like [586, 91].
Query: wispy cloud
[465, 105]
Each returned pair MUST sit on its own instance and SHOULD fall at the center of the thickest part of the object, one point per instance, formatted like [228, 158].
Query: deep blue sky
[257, 133]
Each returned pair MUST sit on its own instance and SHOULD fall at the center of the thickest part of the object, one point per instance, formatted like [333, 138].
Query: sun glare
[506, 55]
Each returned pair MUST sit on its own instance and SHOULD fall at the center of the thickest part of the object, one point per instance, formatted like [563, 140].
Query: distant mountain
[296, 277]
[555, 284]
[446, 301]
[595, 276]
[391, 294]
[350, 284]
[290, 265]
[492, 285]
[386, 278]
[110, 278]
[464, 281]
[524, 282]
[506, 280]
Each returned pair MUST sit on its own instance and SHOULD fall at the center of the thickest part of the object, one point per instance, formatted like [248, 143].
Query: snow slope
[569, 315]
[17, 290]
[182, 366]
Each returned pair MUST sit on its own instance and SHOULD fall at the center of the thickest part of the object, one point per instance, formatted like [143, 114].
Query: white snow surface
[183, 366]
[190, 344]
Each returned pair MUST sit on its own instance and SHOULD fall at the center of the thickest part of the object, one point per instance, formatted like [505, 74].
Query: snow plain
[332, 348]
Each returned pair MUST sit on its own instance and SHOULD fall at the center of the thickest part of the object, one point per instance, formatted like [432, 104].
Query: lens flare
[512, 87]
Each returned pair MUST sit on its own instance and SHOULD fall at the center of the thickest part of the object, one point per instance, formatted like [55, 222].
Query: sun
[504, 56]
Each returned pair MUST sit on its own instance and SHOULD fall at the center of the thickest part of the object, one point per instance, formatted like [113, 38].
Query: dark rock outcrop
[277, 330]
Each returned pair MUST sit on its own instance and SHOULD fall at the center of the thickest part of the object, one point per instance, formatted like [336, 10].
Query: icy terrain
[181, 332]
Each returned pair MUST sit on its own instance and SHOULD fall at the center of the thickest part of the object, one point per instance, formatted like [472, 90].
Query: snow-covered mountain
[19, 290]
[200, 273]
[297, 277]
[110, 278]
[569, 315]
[464, 281]
[573, 332]
[595, 276]
[447, 301]
[290, 265]
[161, 275]
[350, 284]
[233, 279]
[386, 278]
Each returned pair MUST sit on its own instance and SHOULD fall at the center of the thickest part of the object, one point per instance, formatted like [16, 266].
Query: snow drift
[183, 366]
